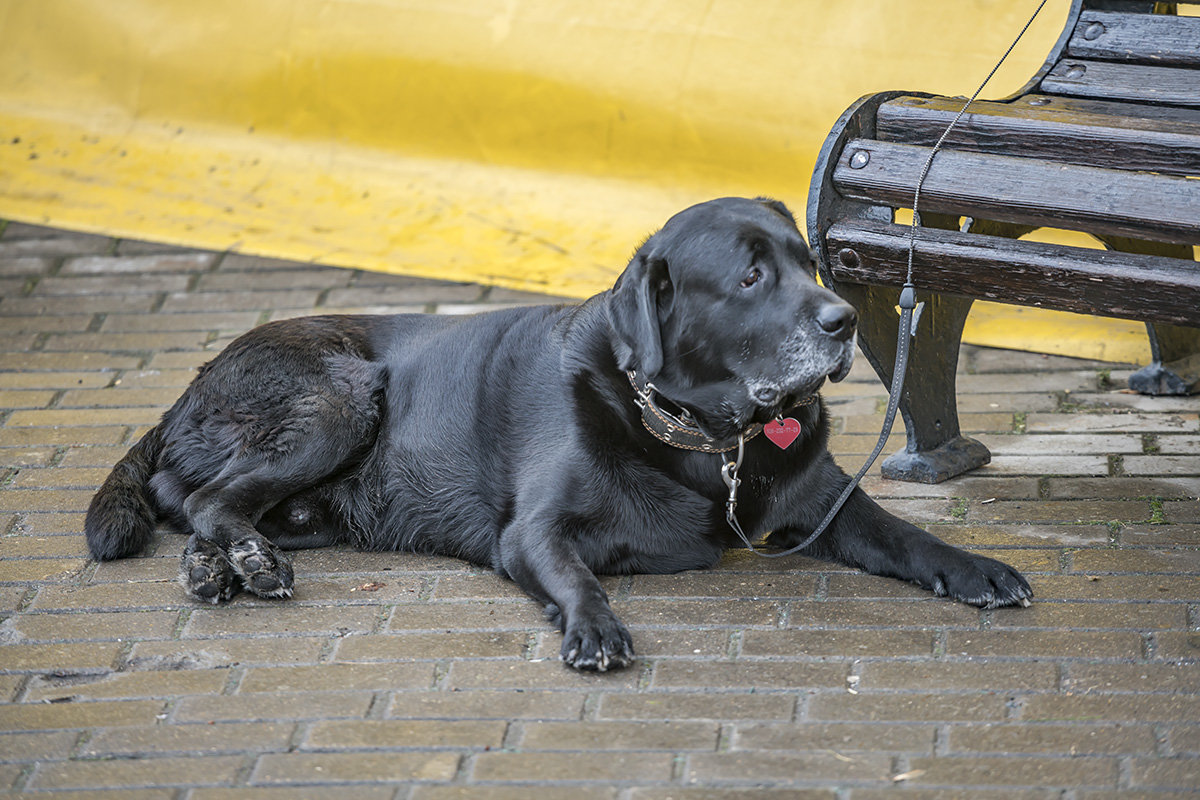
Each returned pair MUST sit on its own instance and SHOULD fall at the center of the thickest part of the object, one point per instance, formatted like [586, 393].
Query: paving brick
[785, 768]
[837, 737]
[500, 644]
[55, 380]
[584, 766]
[500, 792]
[59, 477]
[1157, 561]
[37, 745]
[63, 435]
[240, 300]
[698, 705]
[149, 263]
[448, 617]
[1041, 739]
[674, 736]
[27, 242]
[145, 284]
[1050, 644]
[111, 597]
[1181, 511]
[209, 653]
[1047, 465]
[1078, 511]
[51, 417]
[915, 707]
[1120, 487]
[958, 675]
[1026, 771]
[39, 569]
[318, 792]
[47, 716]
[426, 734]
[977, 537]
[1161, 588]
[25, 265]
[1112, 708]
[697, 613]
[273, 706]
[760, 675]
[189, 771]
[525, 703]
[844, 643]
[545, 674]
[1161, 465]
[25, 398]
[95, 626]
[214, 320]
[124, 342]
[1169, 773]
[9, 686]
[1112, 422]
[730, 793]
[129, 685]
[1088, 678]
[57, 655]
[192, 739]
[338, 677]
[22, 457]
[928, 613]
[1091, 616]
[119, 398]
[355, 767]
[279, 618]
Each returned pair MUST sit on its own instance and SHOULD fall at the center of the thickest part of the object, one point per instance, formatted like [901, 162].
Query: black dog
[549, 443]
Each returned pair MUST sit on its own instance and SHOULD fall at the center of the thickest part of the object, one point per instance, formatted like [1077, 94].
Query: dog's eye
[751, 277]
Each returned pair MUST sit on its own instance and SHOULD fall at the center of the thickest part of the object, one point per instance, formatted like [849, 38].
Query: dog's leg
[222, 515]
[544, 564]
[865, 536]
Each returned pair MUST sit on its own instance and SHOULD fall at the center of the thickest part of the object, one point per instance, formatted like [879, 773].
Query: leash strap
[904, 336]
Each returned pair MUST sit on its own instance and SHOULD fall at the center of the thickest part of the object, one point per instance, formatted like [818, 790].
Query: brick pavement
[401, 676]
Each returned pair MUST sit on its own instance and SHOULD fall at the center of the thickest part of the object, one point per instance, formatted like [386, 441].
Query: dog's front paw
[262, 566]
[206, 573]
[597, 644]
[981, 581]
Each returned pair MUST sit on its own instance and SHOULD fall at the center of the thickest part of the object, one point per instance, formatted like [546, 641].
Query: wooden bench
[1105, 139]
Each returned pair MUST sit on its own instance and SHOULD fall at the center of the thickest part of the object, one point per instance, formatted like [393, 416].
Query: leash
[910, 315]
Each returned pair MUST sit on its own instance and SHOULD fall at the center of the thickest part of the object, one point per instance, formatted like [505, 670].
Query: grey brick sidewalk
[398, 676]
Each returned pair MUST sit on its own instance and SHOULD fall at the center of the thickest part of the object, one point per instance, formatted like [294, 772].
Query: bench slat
[1076, 279]
[1047, 132]
[1163, 39]
[1112, 81]
[1140, 205]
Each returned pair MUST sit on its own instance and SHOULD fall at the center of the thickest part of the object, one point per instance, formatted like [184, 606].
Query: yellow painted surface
[526, 144]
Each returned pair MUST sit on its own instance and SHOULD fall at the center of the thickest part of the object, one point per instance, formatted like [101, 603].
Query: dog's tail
[121, 518]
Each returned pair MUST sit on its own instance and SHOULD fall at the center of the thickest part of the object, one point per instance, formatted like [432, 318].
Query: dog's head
[722, 311]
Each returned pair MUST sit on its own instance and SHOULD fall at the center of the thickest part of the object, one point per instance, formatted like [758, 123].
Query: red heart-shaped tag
[782, 432]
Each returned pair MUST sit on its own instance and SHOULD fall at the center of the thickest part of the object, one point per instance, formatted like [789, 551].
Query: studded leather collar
[678, 430]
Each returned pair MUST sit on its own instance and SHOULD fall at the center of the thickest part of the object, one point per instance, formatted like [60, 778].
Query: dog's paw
[262, 567]
[597, 645]
[983, 582]
[206, 573]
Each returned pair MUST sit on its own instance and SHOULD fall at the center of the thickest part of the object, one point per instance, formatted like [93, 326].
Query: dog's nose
[838, 320]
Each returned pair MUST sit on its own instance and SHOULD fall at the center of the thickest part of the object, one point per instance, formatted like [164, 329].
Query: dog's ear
[779, 208]
[633, 309]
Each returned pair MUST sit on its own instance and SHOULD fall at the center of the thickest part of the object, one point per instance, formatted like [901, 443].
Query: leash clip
[729, 470]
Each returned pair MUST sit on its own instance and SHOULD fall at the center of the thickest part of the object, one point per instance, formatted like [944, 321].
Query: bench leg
[936, 450]
[1174, 350]
[1175, 362]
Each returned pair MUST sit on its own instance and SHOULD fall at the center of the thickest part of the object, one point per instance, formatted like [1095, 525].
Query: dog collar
[679, 430]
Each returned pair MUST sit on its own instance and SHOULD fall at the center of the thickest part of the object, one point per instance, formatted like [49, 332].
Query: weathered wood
[1024, 190]
[1046, 132]
[1111, 81]
[1116, 108]
[1101, 282]
[1140, 38]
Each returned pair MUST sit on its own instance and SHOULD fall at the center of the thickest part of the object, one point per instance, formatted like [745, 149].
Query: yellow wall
[529, 144]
